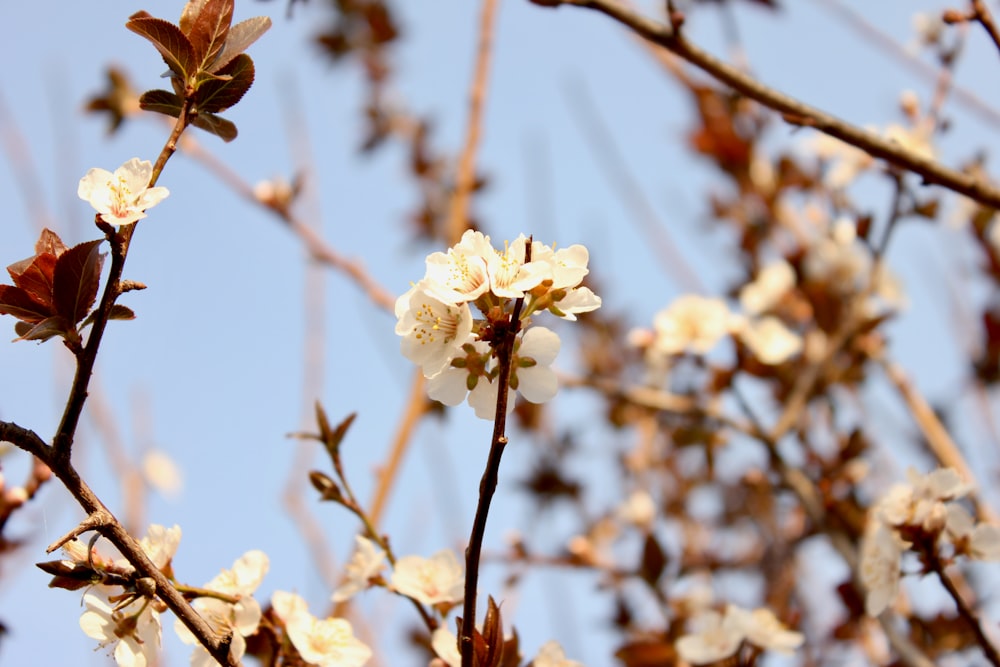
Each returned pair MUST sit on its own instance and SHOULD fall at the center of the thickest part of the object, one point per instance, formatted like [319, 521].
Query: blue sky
[212, 370]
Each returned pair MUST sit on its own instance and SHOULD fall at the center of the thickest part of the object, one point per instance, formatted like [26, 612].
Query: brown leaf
[46, 329]
[48, 241]
[654, 560]
[208, 30]
[77, 277]
[216, 125]
[161, 101]
[120, 312]
[168, 39]
[492, 635]
[15, 301]
[218, 94]
[241, 36]
[34, 275]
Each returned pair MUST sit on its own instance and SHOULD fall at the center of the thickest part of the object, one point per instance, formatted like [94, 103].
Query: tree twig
[793, 110]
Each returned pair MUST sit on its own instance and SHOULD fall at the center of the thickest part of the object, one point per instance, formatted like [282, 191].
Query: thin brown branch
[488, 484]
[874, 36]
[465, 178]
[793, 110]
[939, 441]
[318, 249]
[609, 158]
[981, 13]
[964, 610]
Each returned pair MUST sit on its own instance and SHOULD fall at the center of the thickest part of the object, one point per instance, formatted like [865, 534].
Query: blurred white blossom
[435, 580]
[367, 561]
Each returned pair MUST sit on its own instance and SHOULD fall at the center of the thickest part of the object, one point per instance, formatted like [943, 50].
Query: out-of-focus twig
[793, 110]
[596, 133]
[319, 249]
[939, 441]
[465, 178]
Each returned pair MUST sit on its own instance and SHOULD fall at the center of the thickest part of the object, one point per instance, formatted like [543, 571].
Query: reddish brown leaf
[77, 277]
[217, 95]
[48, 241]
[120, 312]
[161, 101]
[34, 275]
[241, 36]
[168, 39]
[493, 635]
[17, 302]
[46, 329]
[654, 560]
[216, 125]
[209, 29]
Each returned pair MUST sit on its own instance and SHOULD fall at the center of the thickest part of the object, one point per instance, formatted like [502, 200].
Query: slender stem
[465, 178]
[966, 612]
[793, 110]
[120, 241]
[488, 484]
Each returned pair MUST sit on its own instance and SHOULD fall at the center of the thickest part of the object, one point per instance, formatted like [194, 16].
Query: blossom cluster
[456, 351]
[438, 580]
[720, 635]
[926, 511]
[123, 612]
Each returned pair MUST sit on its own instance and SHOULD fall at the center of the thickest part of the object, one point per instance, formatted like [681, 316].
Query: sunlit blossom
[691, 324]
[715, 637]
[551, 654]
[134, 629]
[367, 561]
[770, 341]
[123, 197]
[879, 563]
[434, 580]
[241, 618]
[772, 283]
[460, 274]
[433, 331]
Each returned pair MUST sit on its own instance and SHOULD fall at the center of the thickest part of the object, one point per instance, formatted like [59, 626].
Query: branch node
[97, 519]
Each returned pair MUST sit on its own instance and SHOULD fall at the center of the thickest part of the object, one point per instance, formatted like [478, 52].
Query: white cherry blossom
[133, 629]
[551, 654]
[716, 637]
[240, 618]
[772, 283]
[433, 331]
[123, 197]
[434, 580]
[460, 274]
[367, 561]
[691, 324]
[879, 563]
[770, 340]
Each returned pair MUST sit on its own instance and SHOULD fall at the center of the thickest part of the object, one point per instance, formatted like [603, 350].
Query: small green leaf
[216, 125]
[168, 39]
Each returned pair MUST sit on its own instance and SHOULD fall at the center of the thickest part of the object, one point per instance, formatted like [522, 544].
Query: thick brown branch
[793, 110]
